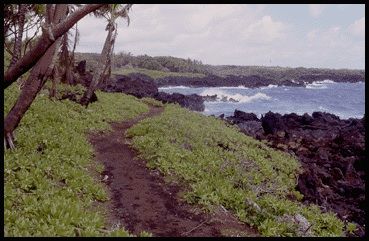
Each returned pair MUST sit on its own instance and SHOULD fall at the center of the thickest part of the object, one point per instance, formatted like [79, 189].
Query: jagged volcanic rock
[332, 154]
[192, 102]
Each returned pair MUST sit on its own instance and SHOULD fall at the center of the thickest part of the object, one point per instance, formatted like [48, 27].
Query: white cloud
[230, 34]
[358, 27]
[265, 30]
[322, 39]
[199, 30]
[316, 10]
[333, 46]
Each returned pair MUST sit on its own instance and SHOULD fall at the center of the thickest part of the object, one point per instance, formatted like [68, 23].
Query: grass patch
[155, 74]
[221, 166]
[153, 102]
[48, 190]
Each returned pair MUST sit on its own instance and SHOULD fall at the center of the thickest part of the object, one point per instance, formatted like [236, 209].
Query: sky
[301, 35]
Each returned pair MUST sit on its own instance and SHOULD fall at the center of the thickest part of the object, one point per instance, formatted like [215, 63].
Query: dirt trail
[142, 201]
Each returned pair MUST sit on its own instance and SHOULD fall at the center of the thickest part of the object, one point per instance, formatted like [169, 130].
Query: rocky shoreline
[140, 85]
[330, 150]
[253, 81]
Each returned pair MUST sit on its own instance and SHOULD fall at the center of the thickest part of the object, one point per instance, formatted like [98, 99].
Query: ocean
[346, 100]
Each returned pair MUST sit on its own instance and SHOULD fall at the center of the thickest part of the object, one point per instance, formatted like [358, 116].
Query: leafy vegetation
[351, 228]
[48, 190]
[155, 74]
[221, 166]
[160, 63]
[281, 73]
[151, 101]
[7, 59]
[64, 89]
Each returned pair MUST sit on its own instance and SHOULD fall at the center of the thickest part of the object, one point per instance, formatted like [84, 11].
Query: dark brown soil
[142, 201]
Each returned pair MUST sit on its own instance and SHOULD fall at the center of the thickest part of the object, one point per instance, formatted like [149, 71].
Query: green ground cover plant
[153, 102]
[155, 74]
[218, 165]
[48, 186]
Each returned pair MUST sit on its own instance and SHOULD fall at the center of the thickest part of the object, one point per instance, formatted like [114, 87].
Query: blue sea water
[345, 100]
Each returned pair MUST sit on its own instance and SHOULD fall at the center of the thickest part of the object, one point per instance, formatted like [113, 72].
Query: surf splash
[173, 87]
[269, 86]
[224, 96]
[319, 84]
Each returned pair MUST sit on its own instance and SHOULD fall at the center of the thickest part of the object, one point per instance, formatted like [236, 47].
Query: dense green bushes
[155, 74]
[160, 63]
[281, 73]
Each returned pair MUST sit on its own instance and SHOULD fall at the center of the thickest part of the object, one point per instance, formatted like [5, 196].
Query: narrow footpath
[142, 201]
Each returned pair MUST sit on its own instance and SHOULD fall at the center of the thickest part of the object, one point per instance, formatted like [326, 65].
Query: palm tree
[111, 13]
[44, 53]
[66, 57]
[48, 37]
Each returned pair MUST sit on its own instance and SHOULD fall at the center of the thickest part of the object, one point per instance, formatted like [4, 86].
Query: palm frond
[124, 12]
[74, 7]
[76, 41]
[101, 12]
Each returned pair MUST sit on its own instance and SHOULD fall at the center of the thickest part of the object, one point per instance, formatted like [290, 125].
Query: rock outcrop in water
[331, 151]
[192, 102]
[140, 85]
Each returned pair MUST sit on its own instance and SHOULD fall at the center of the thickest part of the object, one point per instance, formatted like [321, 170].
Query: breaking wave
[233, 87]
[269, 86]
[223, 96]
[319, 84]
[174, 87]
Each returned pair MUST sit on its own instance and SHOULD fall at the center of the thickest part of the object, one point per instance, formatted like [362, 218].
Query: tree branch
[7, 48]
[30, 39]
[29, 60]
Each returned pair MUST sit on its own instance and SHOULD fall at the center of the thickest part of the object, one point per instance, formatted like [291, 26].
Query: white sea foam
[294, 81]
[319, 84]
[269, 86]
[233, 87]
[173, 87]
[222, 95]
[321, 108]
[327, 81]
[314, 86]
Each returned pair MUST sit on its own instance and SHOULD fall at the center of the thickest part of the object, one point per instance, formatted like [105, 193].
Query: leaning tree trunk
[18, 38]
[48, 37]
[33, 84]
[102, 67]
